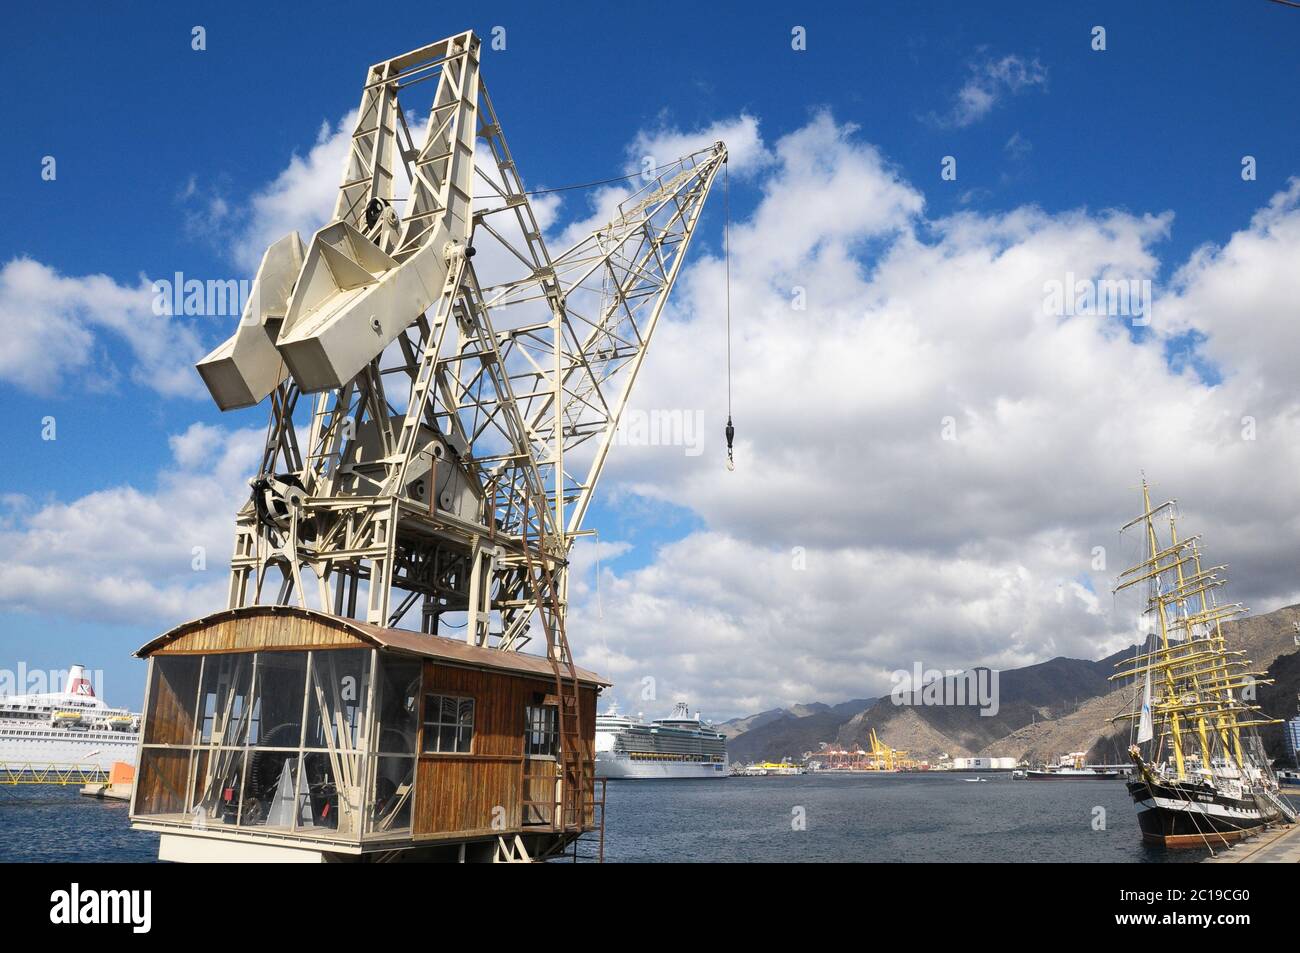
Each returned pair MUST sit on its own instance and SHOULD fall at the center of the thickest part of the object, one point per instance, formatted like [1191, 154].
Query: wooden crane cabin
[282, 733]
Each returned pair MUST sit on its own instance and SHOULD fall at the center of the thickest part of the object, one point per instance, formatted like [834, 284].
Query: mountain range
[1045, 710]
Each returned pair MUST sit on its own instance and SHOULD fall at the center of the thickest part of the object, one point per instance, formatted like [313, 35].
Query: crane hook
[731, 435]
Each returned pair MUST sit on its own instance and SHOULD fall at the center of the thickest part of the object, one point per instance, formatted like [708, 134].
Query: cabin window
[223, 700]
[448, 724]
[171, 700]
[239, 752]
[279, 690]
[541, 732]
[398, 703]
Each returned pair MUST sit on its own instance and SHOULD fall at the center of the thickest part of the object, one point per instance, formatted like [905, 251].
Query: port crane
[465, 382]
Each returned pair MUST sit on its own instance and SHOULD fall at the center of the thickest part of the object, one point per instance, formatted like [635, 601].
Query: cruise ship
[679, 746]
[72, 727]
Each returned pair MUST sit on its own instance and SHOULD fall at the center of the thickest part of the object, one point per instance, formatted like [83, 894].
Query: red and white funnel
[78, 684]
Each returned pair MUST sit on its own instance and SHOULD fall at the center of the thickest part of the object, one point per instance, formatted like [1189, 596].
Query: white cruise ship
[71, 727]
[679, 746]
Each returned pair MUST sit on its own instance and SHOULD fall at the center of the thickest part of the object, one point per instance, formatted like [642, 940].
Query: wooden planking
[456, 792]
[288, 627]
[258, 633]
[540, 788]
[460, 794]
[164, 777]
[171, 702]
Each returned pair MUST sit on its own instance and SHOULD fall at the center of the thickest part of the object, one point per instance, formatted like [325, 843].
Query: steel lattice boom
[467, 384]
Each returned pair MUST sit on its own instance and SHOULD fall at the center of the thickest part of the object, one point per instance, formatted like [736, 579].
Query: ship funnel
[78, 684]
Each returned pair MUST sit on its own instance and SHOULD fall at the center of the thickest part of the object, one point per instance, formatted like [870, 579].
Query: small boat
[976, 780]
[1071, 767]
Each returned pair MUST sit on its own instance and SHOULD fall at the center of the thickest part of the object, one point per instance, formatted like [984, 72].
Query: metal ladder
[577, 765]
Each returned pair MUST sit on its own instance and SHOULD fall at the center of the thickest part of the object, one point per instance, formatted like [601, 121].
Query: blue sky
[143, 128]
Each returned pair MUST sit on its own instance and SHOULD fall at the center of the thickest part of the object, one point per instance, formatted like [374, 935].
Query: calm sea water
[914, 817]
[882, 818]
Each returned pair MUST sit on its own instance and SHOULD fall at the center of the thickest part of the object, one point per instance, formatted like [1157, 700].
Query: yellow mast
[1199, 676]
[1197, 716]
[1153, 548]
[1229, 732]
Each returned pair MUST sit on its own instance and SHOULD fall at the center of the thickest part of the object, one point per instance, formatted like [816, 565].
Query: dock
[1278, 846]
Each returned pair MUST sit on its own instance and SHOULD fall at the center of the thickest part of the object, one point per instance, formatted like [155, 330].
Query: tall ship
[71, 727]
[679, 746]
[1201, 776]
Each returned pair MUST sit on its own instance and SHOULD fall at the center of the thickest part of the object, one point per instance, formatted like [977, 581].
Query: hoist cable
[726, 254]
[726, 245]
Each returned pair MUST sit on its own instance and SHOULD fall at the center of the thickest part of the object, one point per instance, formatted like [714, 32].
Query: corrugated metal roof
[397, 640]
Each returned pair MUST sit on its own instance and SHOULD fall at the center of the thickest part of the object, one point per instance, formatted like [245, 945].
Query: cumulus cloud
[57, 326]
[932, 466]
[301, 198]
[665, 143]
[127, 554]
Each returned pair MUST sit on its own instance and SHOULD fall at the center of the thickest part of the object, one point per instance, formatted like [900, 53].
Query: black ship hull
[1079, 776]
[1182, 815]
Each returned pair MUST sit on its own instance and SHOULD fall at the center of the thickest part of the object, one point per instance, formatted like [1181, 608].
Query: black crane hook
[731, 435]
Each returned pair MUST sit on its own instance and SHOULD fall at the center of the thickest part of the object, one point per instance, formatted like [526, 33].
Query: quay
[1278, 846]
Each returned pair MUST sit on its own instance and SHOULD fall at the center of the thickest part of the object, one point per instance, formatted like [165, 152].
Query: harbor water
[877, 818]
[806, 818]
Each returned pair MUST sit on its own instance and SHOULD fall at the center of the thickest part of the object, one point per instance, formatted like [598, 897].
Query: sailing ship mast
[1198, 712]
[1194, 709]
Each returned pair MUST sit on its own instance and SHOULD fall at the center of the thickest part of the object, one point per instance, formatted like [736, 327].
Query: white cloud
[301, 198]
[126, 554]
[914, 548]
[1241, 297]
[990, 81]
[745, 152]
[54, 327]
[952, 553]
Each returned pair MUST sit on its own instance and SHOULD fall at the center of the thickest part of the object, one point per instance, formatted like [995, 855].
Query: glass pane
[448, 710]
[162, 782]
[173, 700]
[466, 735]
[227, 681]
[218, 784]
[320, 801]
[447, 738]
[394, 781]
[399, 686]
[279, 688]
[332, 793]
[467, 711]
[270, 790]
[339, 681]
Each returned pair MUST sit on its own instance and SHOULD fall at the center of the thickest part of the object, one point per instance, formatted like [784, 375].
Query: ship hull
[627, 769]
[1185, 816]
[40, 748]
[1080, 776]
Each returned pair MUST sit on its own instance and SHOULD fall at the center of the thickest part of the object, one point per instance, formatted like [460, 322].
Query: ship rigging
[1202, 777]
